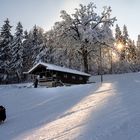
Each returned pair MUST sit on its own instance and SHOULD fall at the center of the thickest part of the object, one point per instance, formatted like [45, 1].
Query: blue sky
[45, 13]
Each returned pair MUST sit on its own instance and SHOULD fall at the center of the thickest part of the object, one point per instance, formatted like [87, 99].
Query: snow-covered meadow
[107, 111]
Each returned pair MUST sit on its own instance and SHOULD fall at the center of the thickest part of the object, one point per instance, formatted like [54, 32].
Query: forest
[85, 40]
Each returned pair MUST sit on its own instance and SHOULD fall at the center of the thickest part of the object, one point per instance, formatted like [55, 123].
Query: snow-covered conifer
[125, 34]
[17, 51]
[27, 51]
[118, 34]
[5, 49]
[37, 43]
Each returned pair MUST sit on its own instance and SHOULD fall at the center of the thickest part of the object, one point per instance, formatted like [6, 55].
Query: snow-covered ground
[108, 111]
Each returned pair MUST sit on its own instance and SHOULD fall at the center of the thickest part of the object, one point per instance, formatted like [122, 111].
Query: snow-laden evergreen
[33, 44]
[5, 50]
[17, 52]
[118, 34]
[27, 53]
[37, 44]
[47, 54]
[127, 52]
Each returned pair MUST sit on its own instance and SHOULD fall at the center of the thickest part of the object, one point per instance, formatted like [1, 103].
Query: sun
[119, 46]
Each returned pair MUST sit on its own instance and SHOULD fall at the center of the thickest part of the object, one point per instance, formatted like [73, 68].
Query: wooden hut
[52, 75]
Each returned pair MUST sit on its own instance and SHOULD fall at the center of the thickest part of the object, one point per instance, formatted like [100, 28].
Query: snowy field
[108, 111]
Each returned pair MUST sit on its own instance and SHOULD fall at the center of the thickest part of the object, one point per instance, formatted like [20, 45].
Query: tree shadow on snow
[29, 109]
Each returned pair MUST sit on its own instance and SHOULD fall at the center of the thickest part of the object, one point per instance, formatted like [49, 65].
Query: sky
[45, 13]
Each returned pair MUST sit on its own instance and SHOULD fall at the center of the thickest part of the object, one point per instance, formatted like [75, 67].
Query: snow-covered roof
[58, 68]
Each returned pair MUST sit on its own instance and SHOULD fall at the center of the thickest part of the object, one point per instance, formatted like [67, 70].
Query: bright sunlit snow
[108, 111]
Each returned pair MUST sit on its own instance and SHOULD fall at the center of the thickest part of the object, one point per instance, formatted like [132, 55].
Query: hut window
[73, 77]
[65, 76]
[80, 78]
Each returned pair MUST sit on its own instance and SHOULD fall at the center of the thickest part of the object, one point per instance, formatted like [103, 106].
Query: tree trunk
[85, 64]
[18, 76]
[111, 61]
[85, 59]
[101, 69]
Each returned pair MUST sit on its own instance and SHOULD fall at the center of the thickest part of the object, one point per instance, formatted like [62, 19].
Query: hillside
[108, 111]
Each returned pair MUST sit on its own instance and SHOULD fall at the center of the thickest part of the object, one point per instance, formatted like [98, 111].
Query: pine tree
[17, 51]
[35, 44]
[5, 49]
[131, 51]
[50, 50]
[118, 34]
[125, 35]
[27, 53]
[125, 40]
[121, 38]
[40, 46]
